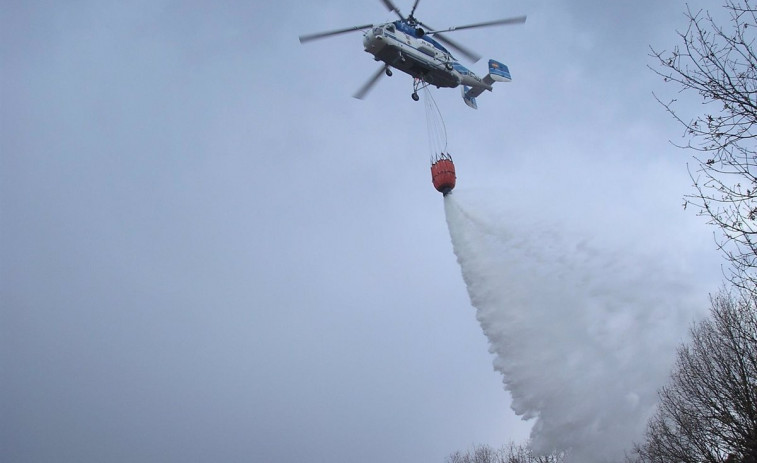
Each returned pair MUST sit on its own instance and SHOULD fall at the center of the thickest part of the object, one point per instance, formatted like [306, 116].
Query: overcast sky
[210, 252]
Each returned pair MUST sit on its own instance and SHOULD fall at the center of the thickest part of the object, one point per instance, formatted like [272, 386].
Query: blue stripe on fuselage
[411, 31]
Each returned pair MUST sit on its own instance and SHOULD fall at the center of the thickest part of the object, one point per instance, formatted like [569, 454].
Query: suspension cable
[437, 130]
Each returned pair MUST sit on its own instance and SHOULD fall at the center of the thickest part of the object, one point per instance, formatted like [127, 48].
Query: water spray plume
[583, 329]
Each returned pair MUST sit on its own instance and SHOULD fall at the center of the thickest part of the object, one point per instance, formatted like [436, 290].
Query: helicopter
[415, 48]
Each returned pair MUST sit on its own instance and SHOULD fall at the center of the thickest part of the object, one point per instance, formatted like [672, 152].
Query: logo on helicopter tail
[499, 72]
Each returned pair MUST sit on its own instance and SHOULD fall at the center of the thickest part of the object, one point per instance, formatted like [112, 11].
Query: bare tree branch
[719, 64]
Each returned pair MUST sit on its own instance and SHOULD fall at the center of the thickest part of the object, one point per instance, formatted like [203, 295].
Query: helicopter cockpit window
[390, 28]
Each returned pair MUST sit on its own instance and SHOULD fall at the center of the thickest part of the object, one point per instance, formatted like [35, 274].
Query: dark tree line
[510, 453]
[708, 411]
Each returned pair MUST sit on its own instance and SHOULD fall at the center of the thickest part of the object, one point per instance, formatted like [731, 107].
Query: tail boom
[498, 72]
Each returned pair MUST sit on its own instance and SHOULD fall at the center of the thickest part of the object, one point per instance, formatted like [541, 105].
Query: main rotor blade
[391, 7]
[321, 35]
[498, 22]
[360, 94]
[470, 54]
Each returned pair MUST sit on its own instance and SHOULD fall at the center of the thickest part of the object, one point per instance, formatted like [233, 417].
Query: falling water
[582, 325]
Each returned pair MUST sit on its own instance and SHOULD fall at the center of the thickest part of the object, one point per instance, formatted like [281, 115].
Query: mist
[583, 324]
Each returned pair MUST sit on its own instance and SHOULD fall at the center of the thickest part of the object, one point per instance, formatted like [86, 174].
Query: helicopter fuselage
[407, 48]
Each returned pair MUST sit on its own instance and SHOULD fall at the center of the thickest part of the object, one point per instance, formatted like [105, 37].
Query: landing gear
[418, 84]
[388, 72]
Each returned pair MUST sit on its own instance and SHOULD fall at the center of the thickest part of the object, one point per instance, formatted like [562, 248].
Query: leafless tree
[510, 453]
[708, 411]
[719, 63]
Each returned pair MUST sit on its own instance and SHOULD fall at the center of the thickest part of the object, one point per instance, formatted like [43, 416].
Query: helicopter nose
[373, 42]
[368, 38]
